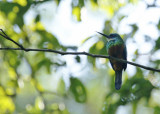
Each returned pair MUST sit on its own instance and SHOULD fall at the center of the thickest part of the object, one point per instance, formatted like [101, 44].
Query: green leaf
[157, 110]
[136, 87]
[157, 44]
[78, 3]
[93, 51]
[78, 90]
[95, 1]
[97, 48]
[81, 3]
[135, 28]
[158, 26]
[78, 59]
[131, 92]
[108, 28]
[48, 40]
[37, 18]
[58, 1]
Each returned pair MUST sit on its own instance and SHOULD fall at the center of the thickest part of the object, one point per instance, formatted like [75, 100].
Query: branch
[4, 35]
[72, 53]
[84, 53]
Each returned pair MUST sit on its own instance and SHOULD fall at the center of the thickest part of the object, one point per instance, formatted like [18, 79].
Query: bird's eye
[112, 35]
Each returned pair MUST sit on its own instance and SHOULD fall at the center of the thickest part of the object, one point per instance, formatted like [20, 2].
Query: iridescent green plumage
[117, 41]
[116, 48]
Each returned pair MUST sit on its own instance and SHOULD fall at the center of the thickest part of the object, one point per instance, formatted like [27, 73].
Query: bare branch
[84, 53]
[72, 53]
[4, 35]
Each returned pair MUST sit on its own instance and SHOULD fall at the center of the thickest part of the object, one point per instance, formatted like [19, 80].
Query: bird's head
[112, 36]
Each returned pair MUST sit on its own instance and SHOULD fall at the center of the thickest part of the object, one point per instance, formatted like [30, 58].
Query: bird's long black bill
[103, 34]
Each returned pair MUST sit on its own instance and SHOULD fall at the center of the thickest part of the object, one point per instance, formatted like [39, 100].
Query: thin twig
[72, 53]
[4, 35]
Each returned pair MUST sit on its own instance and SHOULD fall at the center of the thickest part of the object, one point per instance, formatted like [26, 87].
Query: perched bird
[116, 48]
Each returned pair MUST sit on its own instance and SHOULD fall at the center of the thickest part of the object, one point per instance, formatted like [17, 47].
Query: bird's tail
[118, 79]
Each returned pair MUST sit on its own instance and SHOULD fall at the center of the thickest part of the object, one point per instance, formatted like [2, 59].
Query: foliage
[30, 82]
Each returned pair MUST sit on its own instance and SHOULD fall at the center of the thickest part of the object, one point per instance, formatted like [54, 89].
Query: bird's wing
[125, 57]
[112, 64]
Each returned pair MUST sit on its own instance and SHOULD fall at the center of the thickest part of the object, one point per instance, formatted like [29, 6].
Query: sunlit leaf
[133, 1]
[76, 12]
[39, 87]
[61, 87]
[110, 11]
[39, 103]
[39, 26]
[21, 2]
[85, 40]
[6, 105]
[99, 45]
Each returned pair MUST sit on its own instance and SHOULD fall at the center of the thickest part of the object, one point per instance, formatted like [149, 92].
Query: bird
[116, 48]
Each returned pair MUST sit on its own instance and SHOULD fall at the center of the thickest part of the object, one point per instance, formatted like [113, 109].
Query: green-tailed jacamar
[116, 48]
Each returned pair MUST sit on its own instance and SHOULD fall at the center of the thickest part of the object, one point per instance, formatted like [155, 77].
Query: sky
[71, 32]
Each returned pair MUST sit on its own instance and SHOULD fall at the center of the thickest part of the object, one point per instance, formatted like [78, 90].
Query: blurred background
[48, 83]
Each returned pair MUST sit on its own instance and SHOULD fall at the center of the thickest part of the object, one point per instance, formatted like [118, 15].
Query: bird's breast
[116, 51]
